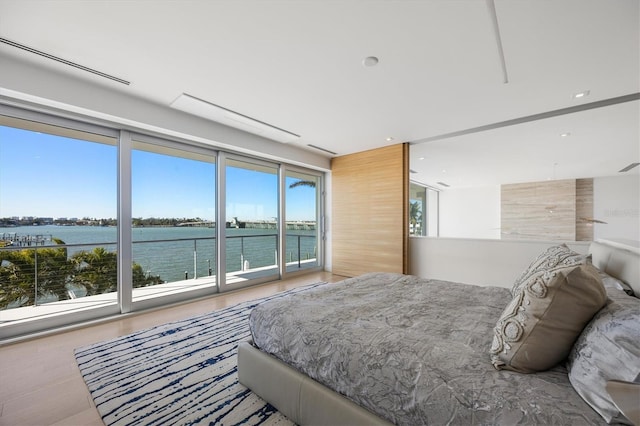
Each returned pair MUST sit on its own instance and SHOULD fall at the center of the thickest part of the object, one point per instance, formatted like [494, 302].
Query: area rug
[180, 373]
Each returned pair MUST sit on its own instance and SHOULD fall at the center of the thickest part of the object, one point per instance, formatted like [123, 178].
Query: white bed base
[307, 402]
[297, 396]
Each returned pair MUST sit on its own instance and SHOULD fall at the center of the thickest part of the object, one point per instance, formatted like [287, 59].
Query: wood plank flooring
[40, 383]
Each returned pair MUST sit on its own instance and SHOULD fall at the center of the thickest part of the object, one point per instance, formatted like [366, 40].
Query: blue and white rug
[180, 373]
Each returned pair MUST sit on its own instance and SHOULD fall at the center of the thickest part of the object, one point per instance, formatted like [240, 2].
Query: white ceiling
[298, 65]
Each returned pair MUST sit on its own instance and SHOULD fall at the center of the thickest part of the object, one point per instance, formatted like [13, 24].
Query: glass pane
[173, 210]
[301, 249]
[423, 210]
[58, 211]
[252, 221]
[417, 209]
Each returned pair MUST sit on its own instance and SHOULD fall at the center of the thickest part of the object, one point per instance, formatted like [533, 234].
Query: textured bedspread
[413, 351]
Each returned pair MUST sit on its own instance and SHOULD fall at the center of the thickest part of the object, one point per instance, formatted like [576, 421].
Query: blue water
[171, 259]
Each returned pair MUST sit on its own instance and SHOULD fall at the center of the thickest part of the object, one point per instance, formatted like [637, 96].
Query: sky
[44, 175]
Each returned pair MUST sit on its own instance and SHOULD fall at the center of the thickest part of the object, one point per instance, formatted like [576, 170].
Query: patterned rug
[180, 373]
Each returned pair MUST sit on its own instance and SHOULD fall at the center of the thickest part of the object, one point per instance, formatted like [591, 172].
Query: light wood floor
[40, 383]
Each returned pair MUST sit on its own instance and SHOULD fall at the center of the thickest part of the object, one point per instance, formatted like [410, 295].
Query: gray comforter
[413, 351]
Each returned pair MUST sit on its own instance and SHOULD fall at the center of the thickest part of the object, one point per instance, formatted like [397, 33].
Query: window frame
[125, 138]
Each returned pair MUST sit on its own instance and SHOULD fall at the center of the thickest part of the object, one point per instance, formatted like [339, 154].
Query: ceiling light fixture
[210, 111]
[565, 135]
[370, 61]
[581, 94]
[390, 139]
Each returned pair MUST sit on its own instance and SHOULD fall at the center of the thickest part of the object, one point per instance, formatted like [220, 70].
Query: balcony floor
[28, 313]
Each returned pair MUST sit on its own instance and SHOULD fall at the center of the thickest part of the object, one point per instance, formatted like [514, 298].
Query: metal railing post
[195, 259]
[35, 296]
[242, 254]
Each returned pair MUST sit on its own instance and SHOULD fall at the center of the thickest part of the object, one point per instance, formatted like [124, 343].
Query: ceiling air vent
[210, 111]
[322, 149]
[63, 61]
[629, 167]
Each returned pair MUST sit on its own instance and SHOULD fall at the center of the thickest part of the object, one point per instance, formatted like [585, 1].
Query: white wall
[470, 212]
[616, 200]
[29, 84]
[475, 212]
[476, 261]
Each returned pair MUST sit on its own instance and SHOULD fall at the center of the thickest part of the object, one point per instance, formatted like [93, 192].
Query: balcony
[55, 280]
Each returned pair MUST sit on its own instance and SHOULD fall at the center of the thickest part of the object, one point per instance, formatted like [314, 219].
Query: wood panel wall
[369, 218]
[550, 210]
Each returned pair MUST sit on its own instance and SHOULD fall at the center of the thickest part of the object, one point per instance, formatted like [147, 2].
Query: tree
[415, 214]
[16, 281]
[18, 275]
[95, 270]
[57, 275]
[140, 279]
[308, 183]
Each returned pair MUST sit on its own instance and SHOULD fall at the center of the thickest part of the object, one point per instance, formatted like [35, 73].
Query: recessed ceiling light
[390, 139]
[421, 158]
[581, 94]
[370, 61]
[564, 135]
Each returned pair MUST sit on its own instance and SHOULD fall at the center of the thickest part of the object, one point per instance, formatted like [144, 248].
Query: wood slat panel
[369, 220]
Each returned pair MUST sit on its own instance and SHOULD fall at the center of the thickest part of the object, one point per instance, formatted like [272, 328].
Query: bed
[396, 349]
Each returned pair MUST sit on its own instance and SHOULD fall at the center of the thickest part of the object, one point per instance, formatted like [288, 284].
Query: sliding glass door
[96, 221]
[173, 225]
[302, 224]
[58, 210]
[251, 221]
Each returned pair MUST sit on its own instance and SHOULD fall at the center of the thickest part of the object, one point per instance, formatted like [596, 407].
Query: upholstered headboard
[618, 261]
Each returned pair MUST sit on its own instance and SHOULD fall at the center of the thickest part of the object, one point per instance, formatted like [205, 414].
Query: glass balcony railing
[301, 252]
[64, 277]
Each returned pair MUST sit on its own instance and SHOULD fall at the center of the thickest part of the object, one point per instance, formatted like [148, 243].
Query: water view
[74, 176]
[172, 252]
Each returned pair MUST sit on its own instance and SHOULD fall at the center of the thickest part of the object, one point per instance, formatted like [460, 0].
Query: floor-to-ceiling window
[58, 218]
[423, 210]
[302, 191]
[98, 221]
[173, 218]
[251, 220]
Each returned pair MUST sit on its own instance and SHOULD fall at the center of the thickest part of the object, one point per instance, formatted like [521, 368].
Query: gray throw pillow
[555, 257]
[547, 314]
